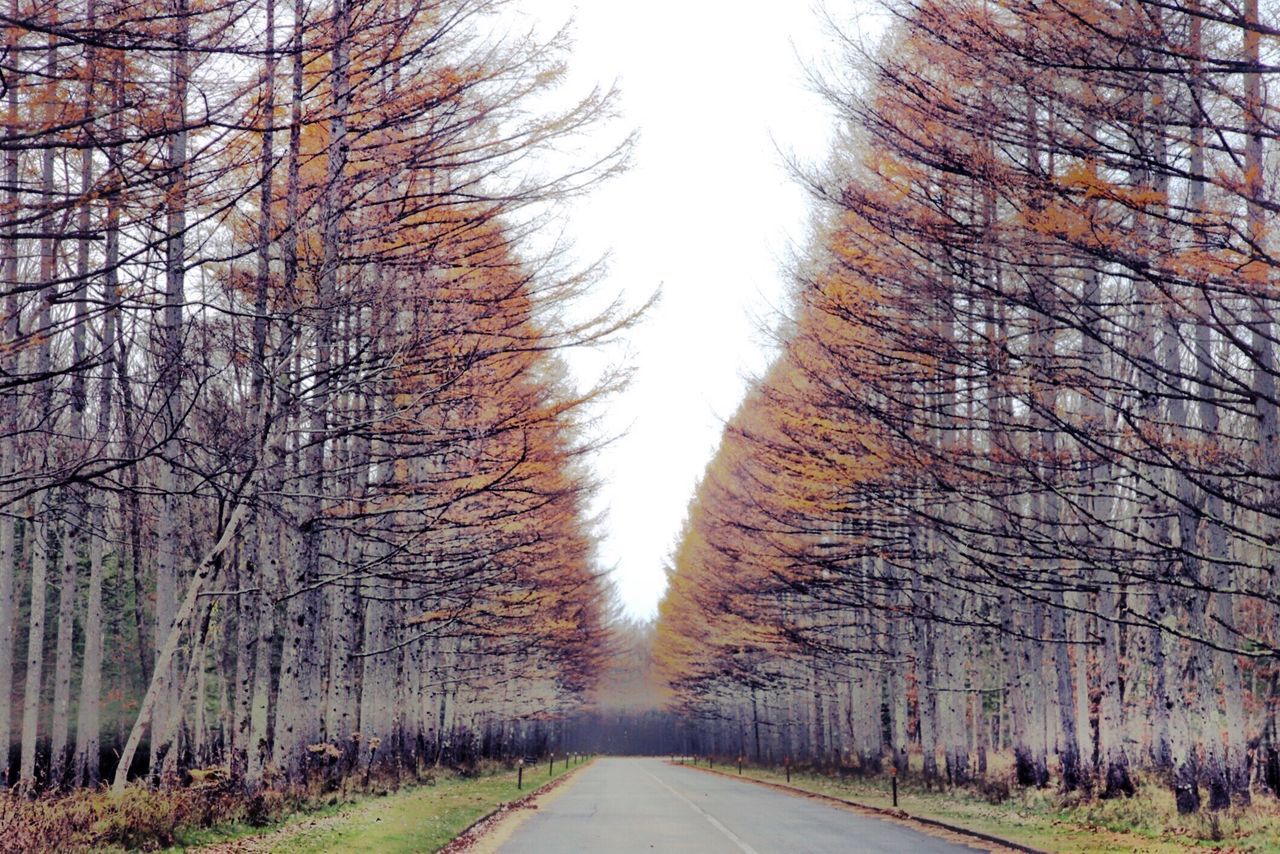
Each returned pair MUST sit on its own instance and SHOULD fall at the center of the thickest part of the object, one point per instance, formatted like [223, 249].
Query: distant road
[647, 805]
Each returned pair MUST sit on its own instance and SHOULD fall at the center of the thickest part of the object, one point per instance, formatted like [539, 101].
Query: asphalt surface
[644, 805]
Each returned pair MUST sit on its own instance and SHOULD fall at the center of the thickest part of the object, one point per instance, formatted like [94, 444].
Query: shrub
[141, 818]
[995, 790]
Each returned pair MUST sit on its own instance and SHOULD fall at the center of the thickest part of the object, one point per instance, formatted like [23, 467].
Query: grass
[1147, 822]
[421, 818]
[194, 836]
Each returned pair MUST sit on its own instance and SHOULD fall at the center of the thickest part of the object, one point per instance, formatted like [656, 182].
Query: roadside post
[786, 763]
[894, 777]
[519, 774]
[551, 763]
[739, 764]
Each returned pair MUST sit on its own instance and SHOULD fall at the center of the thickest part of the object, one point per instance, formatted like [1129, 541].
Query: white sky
[708, 212]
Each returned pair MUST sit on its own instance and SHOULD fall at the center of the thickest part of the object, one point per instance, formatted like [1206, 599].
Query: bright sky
[708, 212]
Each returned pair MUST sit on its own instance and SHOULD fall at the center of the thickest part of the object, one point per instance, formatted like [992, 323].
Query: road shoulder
[490, 832]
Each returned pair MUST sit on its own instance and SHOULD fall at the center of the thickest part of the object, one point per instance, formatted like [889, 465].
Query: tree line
[291, 474]
[1013, 480]
[624, 715]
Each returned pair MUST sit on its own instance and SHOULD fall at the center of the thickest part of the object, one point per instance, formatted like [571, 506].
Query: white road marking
[732, 837]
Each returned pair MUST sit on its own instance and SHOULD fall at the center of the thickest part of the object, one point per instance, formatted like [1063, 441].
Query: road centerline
[714, 822]
[615, 806]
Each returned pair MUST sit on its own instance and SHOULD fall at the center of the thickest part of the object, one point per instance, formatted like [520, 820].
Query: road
[644, 805]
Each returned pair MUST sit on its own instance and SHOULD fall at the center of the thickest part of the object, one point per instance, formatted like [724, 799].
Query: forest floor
[1045, 820]
[423, 817]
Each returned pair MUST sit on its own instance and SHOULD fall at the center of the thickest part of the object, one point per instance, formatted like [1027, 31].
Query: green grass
[199, 837]
[420, 818]
[1042, 819]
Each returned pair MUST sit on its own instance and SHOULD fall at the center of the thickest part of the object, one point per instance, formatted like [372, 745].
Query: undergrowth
[146, 819]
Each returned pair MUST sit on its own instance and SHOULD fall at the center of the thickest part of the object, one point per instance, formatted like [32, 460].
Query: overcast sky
[708, 212]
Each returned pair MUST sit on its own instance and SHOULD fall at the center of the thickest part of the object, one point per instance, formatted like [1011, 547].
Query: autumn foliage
[292, 474]
[1011, 481]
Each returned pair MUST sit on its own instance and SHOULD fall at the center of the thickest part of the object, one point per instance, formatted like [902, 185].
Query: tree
[1025, 305]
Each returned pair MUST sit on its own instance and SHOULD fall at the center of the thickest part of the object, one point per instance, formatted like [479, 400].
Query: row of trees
[1014, 478]
[290, 473]
[624, 715]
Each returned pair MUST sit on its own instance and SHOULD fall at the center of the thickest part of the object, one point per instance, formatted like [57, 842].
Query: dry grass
[143, 819]
[140, 819]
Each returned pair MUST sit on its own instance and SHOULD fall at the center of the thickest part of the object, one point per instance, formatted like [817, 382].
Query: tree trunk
[205, 572]
[85, 766]
[257, 748]
[897, 699]
[250, 600]
[168, 553]
[88, 724]
[9, 557]
[926, 686]
[300, 717]
[31, 691]
[47, 512]
[62, 650]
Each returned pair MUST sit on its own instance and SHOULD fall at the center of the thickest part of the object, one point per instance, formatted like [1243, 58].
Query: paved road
[644, 805]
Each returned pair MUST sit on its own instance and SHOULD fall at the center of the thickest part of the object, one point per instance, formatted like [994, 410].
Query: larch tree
[291, 478]
[1038, 311]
